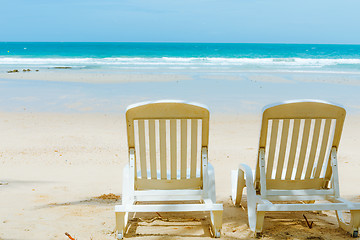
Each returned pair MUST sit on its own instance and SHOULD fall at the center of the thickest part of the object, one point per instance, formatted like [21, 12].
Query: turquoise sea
[240, 78]
[236, 56]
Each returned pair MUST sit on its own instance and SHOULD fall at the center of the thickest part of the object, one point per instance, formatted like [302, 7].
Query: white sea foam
[177, 61]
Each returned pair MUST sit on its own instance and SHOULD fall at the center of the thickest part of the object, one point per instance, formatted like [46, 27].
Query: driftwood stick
[307, 222]
[69, 236]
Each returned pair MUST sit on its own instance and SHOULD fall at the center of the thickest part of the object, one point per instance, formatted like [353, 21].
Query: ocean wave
[178, 61]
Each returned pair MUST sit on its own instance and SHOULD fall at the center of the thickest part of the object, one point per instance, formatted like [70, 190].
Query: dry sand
[57, 164]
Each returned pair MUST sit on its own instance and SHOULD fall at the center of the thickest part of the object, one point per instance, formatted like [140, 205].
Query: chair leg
[238, 184]
[216, 222]
[259, 222]
[353, 226]
[210, 189]
[256, 218]
[121, 222]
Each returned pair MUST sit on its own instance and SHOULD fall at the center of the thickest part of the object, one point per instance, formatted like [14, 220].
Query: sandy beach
[63, 140]
[61, 167]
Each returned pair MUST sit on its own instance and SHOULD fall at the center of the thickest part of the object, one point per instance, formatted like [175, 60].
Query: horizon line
[290, 43]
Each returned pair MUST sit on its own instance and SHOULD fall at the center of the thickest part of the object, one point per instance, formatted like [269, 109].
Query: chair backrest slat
[323, 148]
[304, 144]
[141, 127]
[183, 165]
[166, 137]
[282, 150]
[194, 142]
[298, 143]
[293, 147]
[162, 135]
[152, 148]
[272, 148]
[313, 149]
[173, 148]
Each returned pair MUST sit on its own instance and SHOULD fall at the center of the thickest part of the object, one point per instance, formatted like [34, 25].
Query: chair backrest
[297, 137]
[168, 137]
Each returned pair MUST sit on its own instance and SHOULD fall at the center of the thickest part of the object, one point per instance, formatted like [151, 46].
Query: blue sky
[260, 21]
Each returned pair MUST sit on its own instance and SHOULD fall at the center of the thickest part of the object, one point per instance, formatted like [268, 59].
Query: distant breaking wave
[178, 61]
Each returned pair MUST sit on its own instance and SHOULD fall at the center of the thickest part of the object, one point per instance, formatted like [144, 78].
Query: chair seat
[169, 208]
[305, 207]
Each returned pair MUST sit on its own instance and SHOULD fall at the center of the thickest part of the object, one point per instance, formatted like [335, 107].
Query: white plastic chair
[297, 161]
[166, 163]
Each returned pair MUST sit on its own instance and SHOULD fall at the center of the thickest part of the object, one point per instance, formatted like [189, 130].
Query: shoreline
[171, 74]
[87, 91]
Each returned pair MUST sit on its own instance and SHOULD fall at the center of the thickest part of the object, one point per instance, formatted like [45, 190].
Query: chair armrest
[249, 179]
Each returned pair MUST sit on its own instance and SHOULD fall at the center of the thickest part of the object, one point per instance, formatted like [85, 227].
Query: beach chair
[296, 164]
[168, 161]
